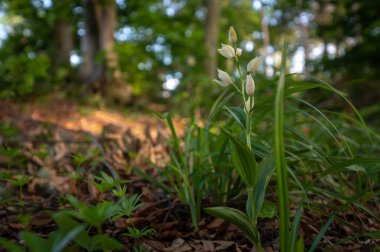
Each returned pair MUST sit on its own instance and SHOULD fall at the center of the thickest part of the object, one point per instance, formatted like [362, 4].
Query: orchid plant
[255, 176]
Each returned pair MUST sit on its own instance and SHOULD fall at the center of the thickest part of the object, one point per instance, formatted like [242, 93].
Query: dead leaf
[170, 235]
[223, 245]
[41, 221]
[215, 223]
[124, 223]
[177, 243]
[156, 245]
[17, 226]
[208, 246]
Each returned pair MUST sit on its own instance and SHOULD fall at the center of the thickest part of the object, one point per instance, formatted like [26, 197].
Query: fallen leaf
[208, 246]
[215, 223]
[223, 245]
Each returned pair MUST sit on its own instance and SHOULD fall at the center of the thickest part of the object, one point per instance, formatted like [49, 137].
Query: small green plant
[138, 233]
[20, 181]
[92, 215]
[200, 169]
[105, 183]
[128, 206]
[120, 192]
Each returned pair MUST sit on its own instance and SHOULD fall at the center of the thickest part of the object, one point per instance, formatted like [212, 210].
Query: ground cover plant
[288, 175]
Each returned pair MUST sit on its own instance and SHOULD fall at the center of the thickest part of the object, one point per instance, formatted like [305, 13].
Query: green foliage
[128, 206]
[281, 167]
[240, 219]
[104, 182]
[19, 180]
[55, 242]
[93, 215]
[20, 73]
[138, 233]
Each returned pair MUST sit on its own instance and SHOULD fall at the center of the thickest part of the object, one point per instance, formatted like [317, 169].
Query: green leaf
[237, 218]
[105, 243]
[34, 242]
[344, 164]
[321, 233]
[100, 213]
[67, 224]
[238, 114]
[59, 244]
[282, 173]
[294, 231]
[268, 210]
[219, 103]
[10, 246]
[265, 168]
[244, 160]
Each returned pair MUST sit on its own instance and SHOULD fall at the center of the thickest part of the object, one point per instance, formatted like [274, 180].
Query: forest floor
[49, 133]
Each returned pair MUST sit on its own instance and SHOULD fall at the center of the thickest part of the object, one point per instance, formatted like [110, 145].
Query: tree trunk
[266, 39]
[99, 60]
[211, 36]
[105, 13]
[65, 41]
[90, 71]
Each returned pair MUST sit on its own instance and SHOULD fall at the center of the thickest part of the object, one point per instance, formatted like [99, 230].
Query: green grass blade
[282, 175]
[294, 229]
[331, 218]
[338, 166]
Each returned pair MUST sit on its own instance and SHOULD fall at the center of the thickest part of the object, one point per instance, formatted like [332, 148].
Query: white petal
[221, 83]
[227, 51]
[253, 65]
[250, 85]
[224, 76]
[232, 37]
[238, 51]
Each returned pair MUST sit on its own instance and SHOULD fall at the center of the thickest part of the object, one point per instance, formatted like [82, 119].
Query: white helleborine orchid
[253, 65]
[250, 85]
[224, 76]
[232, 37]
[238, 51]
[221, 83]
[227, 51]
[248, 105]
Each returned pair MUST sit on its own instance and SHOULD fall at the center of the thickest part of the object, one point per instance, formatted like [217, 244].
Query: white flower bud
[250, 85]
[248, 105]
[253, 65]
[238, 51]
[221, 83]
[224, 76]
[232, 37]
[227, 51]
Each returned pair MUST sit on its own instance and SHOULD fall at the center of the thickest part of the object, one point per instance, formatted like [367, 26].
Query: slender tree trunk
[90, 71]
[265, 32]
[305, 45]
[211, 36]
[105, 13]
[65, 41]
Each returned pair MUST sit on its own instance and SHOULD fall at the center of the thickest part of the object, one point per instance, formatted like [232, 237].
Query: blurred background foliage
[141, 52]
